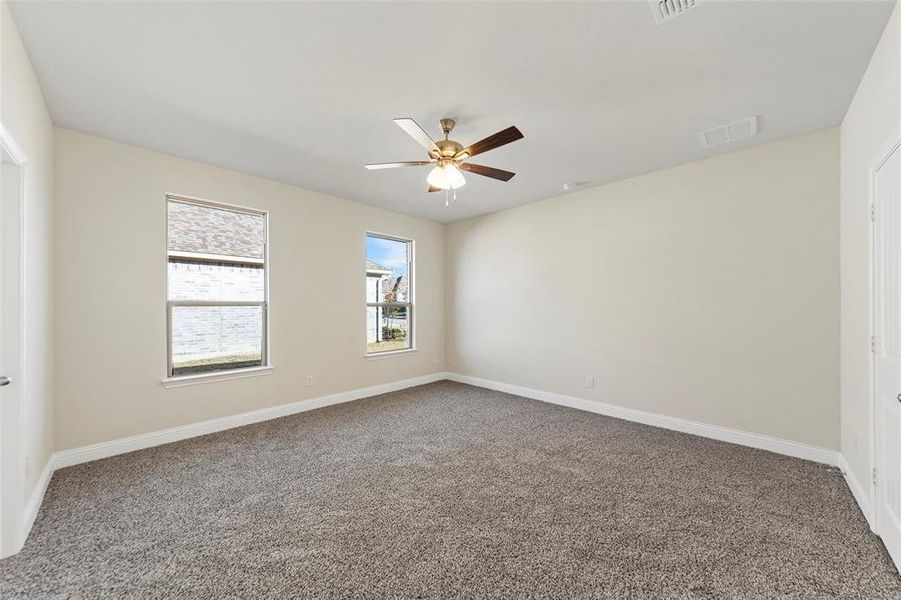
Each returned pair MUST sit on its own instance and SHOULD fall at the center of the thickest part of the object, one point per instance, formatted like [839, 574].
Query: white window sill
[391, 353]
[183, 380]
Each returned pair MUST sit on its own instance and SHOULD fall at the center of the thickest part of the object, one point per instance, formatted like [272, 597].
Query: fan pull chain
[447, 199]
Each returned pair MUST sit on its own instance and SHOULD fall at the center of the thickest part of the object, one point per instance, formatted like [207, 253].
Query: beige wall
[25, 117]
[111, 278]
[871, 123]
[709, 291]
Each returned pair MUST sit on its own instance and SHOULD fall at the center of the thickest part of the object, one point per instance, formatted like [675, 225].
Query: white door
[887, 322]
[11, 464]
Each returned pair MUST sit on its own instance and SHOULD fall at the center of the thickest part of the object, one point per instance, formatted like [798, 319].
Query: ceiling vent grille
[730, 132]
[664, 10]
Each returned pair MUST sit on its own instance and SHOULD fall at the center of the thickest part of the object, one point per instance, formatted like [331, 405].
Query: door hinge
[872, 212]
[874, 476]
[873, 343]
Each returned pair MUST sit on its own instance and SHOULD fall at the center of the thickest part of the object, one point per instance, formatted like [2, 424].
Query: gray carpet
[449, 491]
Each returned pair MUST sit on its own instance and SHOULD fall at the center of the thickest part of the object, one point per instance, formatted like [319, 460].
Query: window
[389, 294]
[217, 291]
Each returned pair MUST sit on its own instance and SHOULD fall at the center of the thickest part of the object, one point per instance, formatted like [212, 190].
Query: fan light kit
[447, 157]
[446, 176]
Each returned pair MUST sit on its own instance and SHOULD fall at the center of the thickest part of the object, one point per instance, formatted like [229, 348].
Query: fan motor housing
[449, 148]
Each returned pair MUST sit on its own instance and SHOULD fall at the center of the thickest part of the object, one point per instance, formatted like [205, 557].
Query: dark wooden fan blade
[510, 134]
[488, 171]
[418, 133]
[432, 188]
[409, 163]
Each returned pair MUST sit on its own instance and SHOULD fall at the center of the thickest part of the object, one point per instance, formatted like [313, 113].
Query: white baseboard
[36, 499]
[725, 434]
[67, 458]
[859, 492]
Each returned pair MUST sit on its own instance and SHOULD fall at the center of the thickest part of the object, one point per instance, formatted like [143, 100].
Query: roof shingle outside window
[374, 267]
[201, 229]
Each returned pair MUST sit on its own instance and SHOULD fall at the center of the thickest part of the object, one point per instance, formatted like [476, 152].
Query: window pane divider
[216, 303]
[389, 304]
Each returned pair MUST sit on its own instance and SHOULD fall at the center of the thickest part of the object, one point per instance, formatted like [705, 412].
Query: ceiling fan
[449, 156]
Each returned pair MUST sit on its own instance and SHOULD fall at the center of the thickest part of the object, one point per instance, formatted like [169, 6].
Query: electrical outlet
[309, 380]
[589, 381]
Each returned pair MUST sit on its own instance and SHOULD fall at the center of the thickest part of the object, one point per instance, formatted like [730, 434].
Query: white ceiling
[305, 92]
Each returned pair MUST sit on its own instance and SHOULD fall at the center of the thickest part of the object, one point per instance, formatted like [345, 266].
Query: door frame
[874, 449]
[12, 456]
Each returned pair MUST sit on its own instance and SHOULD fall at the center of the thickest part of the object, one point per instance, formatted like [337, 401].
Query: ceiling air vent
[730, 132]
[664, 10]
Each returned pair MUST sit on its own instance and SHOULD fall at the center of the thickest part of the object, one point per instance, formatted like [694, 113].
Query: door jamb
[16, 480]
[881, 158]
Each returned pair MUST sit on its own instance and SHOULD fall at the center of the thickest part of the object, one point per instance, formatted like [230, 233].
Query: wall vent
[730, 132]
[664, 10]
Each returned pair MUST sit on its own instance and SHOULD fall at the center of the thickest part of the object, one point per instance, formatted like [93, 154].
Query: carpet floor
[449, 491]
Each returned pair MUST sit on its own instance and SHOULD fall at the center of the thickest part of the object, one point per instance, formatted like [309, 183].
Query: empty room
[449, 299]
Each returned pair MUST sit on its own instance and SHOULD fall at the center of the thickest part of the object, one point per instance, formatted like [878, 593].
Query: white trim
[13, 454]
[37, 497]
[411, 288]
[183, 380]
[265, 346]
[858, 491]
[390, 353]
[67, 458]
[716, 432]
[8, 144]
[872, 509]
[183, 199]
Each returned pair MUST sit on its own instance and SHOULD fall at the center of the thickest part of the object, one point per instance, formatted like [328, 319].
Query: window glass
[216, 306]
[389, 307]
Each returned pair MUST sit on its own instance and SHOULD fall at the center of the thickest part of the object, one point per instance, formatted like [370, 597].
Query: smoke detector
[664, 10]
[730, 132]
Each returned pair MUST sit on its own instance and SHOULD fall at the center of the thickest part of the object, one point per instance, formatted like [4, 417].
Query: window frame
[409, 304]
[265, 365]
